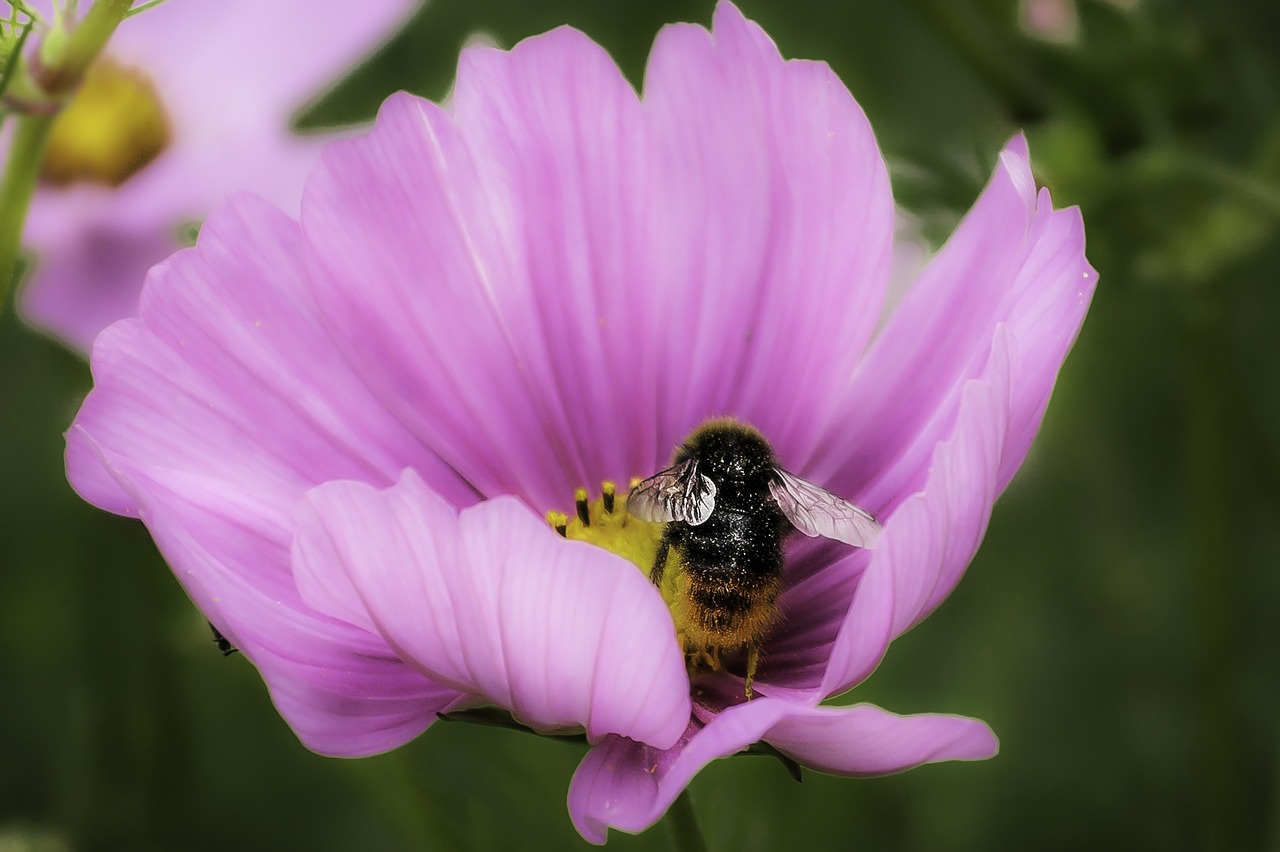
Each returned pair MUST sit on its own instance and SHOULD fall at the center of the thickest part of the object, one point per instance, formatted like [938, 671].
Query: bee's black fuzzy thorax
[730, 453]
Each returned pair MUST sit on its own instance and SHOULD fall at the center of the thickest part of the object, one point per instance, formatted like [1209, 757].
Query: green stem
[56, 76]
[11, 62]
[495, 717]
[63, 72]
[684, 825]
[138, 10]
[19, 184]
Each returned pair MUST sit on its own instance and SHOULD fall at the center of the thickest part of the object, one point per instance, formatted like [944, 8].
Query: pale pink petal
[818, 584]
[494, 604]
[629, 786]
[246, 389]
[930, 539]
[842, 599]
[824, 579]
[1014, 260]
[422, 259]
[342, 690]
[1038, 291]
[865, 740]
[91, 279]
[594, 263]
[230, 132]
[773, 220]
[181, 186]
[271, 55]
[211, 417]
[94, 245]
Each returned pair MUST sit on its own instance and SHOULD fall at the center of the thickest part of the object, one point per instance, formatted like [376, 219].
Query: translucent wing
[678, 493]
[816, 511]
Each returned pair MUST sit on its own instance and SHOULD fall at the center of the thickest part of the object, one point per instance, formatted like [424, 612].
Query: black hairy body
[726, 506]
[732, 561]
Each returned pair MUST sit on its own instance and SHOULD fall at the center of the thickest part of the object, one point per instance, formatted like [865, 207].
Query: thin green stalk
[59, 75]
[138, 10]
[65, 70]
[11, 62]
[684, 825]
[19, 184]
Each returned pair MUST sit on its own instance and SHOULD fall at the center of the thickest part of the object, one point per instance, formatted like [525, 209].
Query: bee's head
[728, 451]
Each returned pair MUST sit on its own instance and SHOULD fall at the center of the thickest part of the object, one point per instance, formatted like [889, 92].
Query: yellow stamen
[559, 522]
[113, 127]
[605, 523]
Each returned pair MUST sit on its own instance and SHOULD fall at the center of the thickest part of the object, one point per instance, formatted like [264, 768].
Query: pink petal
[865, 740]
[210, 419]
[90, 280]
[974, 306]
[629, 786]
[930, 539]
[494, 604]
[593, 262]
[246, 390]
[773, 220]
[229, 133]
[421, 255]
[819, 583]
[1014, 260]
[94, 245]
[342, 690]
[286, 51]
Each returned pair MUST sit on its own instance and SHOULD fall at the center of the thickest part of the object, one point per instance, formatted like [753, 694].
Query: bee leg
[753, 660]
[659, 563]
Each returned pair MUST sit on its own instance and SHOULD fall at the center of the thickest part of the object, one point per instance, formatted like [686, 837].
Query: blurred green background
[1118, 629]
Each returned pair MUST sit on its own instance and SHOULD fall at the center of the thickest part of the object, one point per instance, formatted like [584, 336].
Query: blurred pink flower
[229, 76]
[1058, 21]
[343, 433]
[1050, 20]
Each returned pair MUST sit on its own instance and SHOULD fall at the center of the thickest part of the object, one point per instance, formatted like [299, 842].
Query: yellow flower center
[606, 523]
[113, 127]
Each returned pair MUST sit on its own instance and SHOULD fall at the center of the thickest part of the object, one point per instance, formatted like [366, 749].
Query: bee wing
[678, 493]
[816, 511]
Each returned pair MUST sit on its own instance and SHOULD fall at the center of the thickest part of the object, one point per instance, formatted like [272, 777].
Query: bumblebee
[727, 506]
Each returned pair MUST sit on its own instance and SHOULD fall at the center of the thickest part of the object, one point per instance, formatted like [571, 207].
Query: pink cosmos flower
[343, 433]
[228, 77]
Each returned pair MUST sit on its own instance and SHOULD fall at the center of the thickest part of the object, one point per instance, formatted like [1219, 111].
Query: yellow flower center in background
[113, 127]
